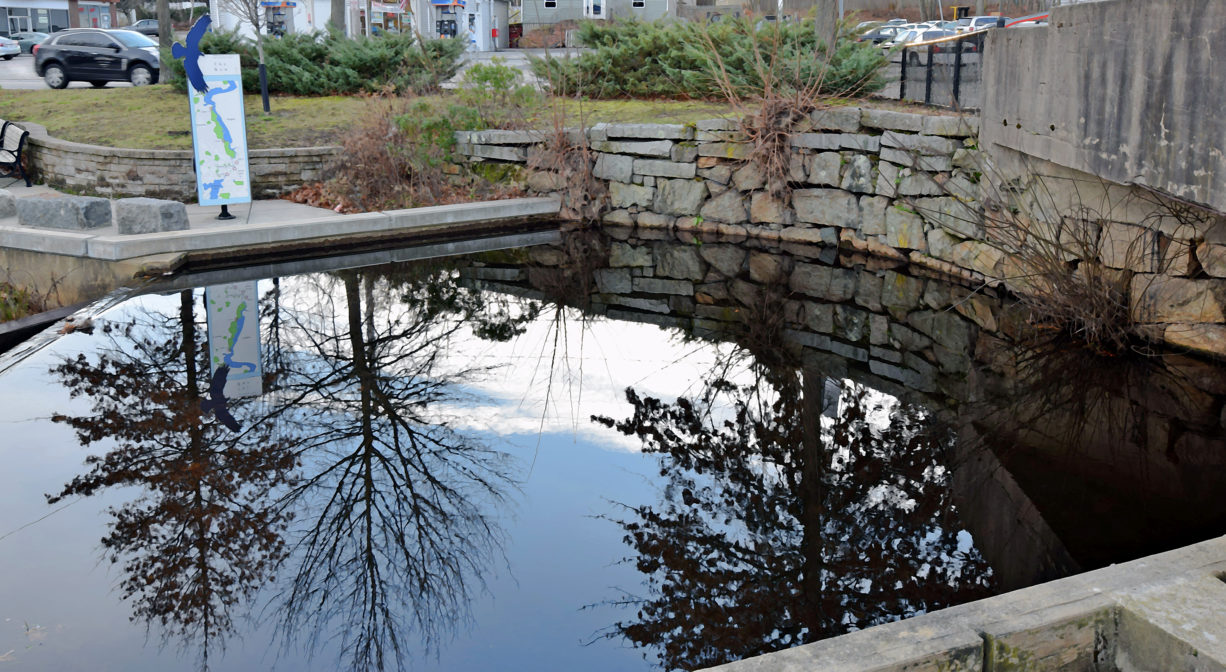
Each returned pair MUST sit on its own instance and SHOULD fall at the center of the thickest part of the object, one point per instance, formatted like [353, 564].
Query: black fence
[946, 72]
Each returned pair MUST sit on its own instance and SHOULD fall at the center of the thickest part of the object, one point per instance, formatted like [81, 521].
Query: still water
[602, 454]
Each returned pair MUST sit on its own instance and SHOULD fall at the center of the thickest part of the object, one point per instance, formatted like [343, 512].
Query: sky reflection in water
[402, 402]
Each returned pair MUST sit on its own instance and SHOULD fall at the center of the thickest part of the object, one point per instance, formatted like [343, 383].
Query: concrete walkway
[262, 223]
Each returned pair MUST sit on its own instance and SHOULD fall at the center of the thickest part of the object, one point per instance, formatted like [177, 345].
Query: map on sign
[219, 133]
[234, 336]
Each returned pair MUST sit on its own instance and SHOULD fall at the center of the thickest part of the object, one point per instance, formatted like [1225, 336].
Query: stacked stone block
[166, 174]
[898, 185]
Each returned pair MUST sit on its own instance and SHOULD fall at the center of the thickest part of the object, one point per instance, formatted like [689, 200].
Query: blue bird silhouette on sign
[191, 53]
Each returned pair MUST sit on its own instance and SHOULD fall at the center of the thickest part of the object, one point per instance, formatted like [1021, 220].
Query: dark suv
[97, 56]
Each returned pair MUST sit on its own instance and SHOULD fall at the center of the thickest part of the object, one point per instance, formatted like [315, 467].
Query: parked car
[905, 35]
[27, 40]
[915, 56]
[879, 35]
[973, 23]
[97, 56]
[9, 48]
[146, 27]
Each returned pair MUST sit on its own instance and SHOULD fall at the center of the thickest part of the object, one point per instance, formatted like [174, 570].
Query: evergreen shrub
[328, 63]
[634, 59]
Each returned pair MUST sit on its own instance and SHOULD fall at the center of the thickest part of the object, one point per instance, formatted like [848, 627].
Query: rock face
[896, 187]
[8, 204]
[149, 215]
[71, 213]
[680, 197]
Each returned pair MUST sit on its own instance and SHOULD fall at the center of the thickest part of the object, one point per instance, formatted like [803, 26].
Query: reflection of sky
[594, 364]
[59, 609]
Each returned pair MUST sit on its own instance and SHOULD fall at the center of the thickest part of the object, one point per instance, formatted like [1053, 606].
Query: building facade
[48, 16]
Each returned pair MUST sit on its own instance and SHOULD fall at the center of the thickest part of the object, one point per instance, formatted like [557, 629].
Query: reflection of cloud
[564, 369]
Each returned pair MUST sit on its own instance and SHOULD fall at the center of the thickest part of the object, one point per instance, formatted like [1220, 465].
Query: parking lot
[19, 74]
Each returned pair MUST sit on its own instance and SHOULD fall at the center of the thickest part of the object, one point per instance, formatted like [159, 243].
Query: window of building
[638, 3]
[551, 4]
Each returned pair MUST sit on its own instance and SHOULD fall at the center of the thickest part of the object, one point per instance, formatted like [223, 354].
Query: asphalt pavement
[19, 74]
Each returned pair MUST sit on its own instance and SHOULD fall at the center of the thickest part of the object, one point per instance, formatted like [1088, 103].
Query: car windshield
[132, 39]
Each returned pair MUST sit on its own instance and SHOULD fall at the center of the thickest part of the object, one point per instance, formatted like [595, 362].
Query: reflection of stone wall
[871, 320]
[901, 329]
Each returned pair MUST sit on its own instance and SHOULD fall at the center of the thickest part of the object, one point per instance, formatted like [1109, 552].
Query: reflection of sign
[219, 133]
[234, 336]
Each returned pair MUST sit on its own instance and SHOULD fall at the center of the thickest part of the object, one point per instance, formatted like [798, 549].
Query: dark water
[602, 454]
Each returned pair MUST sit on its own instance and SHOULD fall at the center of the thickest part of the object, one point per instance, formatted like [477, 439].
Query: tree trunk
[337, 20]
[74, 14]
[165, 34]
[827, 22]
[980, 7]
[814, 602]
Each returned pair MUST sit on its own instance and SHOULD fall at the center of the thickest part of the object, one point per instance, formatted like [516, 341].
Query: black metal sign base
[225, 213]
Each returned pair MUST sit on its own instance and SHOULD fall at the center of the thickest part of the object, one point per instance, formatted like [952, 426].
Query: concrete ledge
[109, 245]
[70, 243]
[1175, 600]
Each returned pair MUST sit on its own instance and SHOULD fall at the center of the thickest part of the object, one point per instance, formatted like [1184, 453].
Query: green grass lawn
[156, 117]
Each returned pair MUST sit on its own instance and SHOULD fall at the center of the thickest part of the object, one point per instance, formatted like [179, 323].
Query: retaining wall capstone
[166, 174]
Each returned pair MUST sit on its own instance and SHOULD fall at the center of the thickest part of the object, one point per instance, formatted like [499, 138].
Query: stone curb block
[70, 213]
[149, 215]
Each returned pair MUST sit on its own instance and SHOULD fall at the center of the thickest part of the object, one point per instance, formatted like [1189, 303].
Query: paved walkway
[261, 223]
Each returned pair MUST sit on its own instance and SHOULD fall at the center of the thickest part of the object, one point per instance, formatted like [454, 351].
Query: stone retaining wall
[899, 185]
[167, 174]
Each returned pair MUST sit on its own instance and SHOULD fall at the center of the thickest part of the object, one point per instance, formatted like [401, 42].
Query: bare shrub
[782, 84]
[1072, 246]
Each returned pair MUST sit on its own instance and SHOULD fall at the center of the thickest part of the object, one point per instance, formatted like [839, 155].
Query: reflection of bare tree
[200, 540]
[774, 533]
[400, 530]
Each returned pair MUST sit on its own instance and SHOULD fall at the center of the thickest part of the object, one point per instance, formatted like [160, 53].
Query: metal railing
[947, 72]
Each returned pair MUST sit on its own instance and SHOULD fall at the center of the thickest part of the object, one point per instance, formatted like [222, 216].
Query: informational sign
[219, 132]
[234, 336]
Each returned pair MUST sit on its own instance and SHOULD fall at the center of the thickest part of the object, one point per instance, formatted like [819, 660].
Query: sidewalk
[270, 223]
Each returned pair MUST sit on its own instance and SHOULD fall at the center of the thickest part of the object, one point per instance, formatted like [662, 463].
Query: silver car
[9, 48]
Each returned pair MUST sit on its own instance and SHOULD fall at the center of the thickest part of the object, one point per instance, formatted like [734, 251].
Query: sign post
[219, 134]
[219, 126]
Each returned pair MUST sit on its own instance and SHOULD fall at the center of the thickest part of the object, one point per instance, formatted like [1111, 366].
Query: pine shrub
[633, 59]
[328, 63]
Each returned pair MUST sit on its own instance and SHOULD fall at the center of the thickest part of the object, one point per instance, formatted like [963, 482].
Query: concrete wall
[1128, 90]
[168, 174]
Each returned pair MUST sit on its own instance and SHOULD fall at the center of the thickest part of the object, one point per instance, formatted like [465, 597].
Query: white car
[9, 48]
[973, 23]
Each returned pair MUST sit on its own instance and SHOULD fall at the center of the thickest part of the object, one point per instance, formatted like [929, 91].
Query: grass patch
[156, 117]
[18, 302]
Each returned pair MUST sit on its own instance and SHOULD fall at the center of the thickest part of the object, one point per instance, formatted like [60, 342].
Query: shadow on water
[870, 443]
